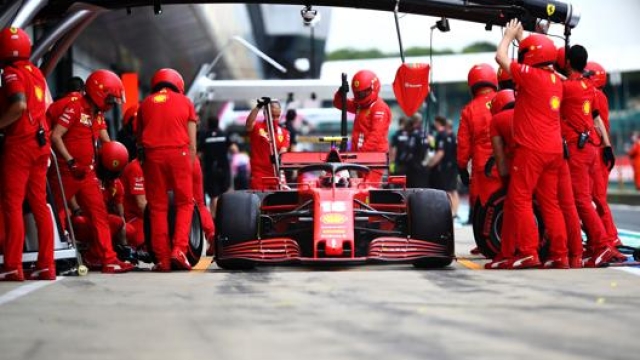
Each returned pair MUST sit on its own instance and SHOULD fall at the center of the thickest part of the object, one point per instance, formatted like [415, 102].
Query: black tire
[237, 217]
[430, 218]
[489, 243]
[487, 224]
[196, 237]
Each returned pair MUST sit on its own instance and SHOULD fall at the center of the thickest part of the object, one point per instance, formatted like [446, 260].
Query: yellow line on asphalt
[469, 264]
[203, 264]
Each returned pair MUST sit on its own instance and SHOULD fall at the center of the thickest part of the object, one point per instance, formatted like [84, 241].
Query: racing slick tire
[196, 236]
[430, 218]
[487, 230]
[237, 216]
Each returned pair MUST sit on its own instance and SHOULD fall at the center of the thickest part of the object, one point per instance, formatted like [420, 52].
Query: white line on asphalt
[24, 290]
[630, 270]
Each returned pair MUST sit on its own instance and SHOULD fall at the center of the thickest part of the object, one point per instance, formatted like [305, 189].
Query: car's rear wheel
[237, 217]
[430, 219]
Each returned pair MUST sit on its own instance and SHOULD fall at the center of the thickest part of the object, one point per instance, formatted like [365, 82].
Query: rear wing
[296, 160]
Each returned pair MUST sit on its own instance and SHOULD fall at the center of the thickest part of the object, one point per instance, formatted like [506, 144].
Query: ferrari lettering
[333, 219]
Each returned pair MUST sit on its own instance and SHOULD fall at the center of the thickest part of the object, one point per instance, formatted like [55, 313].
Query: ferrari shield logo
[160, 98]
[555, 103]
[586, 107]
[551, 9]
[38, 92]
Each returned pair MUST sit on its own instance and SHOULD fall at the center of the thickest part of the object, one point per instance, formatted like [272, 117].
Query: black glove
[609, 158]
[489, 166]
[263, 101]
[140, 154]
[77, 171]
[464, 176]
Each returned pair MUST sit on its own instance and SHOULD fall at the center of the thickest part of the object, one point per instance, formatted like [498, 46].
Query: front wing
[282, 251]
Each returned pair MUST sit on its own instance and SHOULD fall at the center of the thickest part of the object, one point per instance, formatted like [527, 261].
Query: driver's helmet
[341, 179]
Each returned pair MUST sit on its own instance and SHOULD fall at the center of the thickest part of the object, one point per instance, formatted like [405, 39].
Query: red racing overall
[83, 127]
[474, 143]
[261, 165]
[370, 129]
[538, 160]
[163, 120]
[23, 167]
[584, 159]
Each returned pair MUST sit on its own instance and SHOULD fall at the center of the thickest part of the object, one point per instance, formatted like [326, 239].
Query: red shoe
[498, 263]
[179, 261]
[617, 242]
[117, 267]
[617, 257]
[92, 263]
[575, 262]
[600, 258]
[525, 262]
[161, 267]
[557, 263]
[475, 251]
[11, 275]
[48, 273]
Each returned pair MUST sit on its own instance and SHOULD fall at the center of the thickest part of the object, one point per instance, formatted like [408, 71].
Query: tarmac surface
[392, 312]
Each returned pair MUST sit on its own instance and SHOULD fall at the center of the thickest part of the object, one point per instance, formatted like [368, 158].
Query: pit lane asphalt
[390, 312]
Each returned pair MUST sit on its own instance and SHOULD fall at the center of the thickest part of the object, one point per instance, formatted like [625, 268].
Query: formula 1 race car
[334, 219]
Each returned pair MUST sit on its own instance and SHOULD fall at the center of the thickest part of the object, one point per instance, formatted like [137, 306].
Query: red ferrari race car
[334, 219]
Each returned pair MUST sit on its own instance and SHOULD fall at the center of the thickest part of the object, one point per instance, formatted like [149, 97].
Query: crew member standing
[445, 175]
[167, 125]
[261, 162]
[474, 141]
[398, 149]
[598, 76]
[24, 156]
[373, 117]
[579, 132]
[74, 135]
[538, 154]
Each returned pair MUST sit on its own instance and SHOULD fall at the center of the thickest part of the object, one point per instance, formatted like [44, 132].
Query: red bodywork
[330, 219]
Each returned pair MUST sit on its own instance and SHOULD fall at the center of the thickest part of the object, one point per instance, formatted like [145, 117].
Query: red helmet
[114, 156]
[505, 81]
[366, 87]
[537, 50]
[105, 89]
[168, 76]
[482, 75]
[503, 100]
[597, 74]
[14, 44]
[561, 59]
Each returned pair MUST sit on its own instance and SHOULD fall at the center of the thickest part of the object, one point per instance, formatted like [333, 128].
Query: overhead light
[157, 7]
